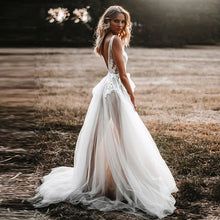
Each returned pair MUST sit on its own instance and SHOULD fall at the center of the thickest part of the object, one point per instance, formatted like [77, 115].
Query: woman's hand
[133, 102]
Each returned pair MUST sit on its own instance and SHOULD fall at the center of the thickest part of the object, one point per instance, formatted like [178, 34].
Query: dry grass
[178, 99]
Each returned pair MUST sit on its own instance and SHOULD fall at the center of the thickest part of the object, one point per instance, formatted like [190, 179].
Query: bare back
[105, 48]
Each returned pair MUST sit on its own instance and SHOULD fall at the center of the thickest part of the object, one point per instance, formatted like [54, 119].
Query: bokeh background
[156, 23]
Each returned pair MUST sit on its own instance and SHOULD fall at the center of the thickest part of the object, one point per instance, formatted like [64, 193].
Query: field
[45, 94]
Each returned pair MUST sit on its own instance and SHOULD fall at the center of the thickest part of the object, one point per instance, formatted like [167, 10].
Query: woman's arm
[118, 58]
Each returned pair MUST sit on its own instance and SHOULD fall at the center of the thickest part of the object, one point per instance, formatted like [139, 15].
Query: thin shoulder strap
[110, 50]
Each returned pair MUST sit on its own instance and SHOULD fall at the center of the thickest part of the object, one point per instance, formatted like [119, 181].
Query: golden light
[58, 15]
[81, 15]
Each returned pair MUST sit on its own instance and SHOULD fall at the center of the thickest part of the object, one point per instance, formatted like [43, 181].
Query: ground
[45, 94]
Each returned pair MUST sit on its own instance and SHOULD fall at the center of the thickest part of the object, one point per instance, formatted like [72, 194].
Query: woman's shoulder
[116, 42]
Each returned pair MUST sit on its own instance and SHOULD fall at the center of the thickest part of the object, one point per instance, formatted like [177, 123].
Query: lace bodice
[112, 80]
[112, 68]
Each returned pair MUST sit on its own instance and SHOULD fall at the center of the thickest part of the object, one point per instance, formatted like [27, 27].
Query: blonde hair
[103, 27]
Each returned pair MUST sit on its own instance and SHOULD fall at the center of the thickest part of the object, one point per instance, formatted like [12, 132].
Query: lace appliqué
[113, 83]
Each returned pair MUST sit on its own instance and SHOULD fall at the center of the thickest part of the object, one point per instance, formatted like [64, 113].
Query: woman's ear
[107, 20]
[107, 23]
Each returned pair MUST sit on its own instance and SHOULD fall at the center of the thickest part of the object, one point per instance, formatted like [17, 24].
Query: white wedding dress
[117, 165]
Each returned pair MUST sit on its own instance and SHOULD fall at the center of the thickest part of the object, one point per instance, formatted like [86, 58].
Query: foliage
[155, 22]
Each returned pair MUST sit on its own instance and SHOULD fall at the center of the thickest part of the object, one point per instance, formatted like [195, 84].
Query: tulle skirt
[117, 165]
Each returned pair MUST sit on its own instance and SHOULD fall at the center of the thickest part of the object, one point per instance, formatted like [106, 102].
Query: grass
[178, 99]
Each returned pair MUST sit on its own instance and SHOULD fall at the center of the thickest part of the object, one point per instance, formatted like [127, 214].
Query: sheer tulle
[117, 165]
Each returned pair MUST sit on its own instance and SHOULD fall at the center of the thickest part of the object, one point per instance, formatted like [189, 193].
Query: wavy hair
[103, 27]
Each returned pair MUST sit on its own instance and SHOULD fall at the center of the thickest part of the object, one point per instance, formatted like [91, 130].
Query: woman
[117, 165]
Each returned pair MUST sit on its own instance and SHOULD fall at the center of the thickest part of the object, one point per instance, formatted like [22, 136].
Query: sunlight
[81, 15]
[59, 15]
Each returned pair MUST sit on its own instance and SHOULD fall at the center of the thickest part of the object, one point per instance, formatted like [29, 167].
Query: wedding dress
[117, 165]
